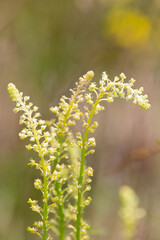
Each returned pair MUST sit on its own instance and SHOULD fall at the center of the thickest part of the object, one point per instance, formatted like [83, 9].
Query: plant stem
[59, 192]
[61, 213]
[61, 223]
[79, 208]
[80, 180]
[45, 207]
[45, 193]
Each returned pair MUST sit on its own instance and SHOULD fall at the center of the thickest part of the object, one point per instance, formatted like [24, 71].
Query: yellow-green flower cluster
[68, 109]
[35, 127]
[118, 88]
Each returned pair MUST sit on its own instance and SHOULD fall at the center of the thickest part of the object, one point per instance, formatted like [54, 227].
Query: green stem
[45, 208]
[45, 193]
[61, 213]
[60, 195]
[79, 209]
[80, 180]
[61, 223]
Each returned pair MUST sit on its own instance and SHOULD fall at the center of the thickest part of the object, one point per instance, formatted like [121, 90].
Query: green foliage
[65, 177]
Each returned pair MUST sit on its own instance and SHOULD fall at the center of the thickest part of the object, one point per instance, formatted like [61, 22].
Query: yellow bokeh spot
[129, 28]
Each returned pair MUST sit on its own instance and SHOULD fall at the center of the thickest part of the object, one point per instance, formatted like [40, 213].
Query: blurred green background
[45, 46]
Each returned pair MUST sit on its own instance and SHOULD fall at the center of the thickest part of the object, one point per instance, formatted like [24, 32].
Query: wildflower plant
[130, 213]
[64, 175]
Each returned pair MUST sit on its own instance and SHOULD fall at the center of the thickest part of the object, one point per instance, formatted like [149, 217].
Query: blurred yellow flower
[130, 28]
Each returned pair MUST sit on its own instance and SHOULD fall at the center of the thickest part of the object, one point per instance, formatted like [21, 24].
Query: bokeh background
[45, 46]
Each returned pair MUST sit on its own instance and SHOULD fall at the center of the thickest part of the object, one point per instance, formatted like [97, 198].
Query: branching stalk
[80, 180]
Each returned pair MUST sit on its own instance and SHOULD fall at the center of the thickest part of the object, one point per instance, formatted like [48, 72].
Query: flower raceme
[65, 177]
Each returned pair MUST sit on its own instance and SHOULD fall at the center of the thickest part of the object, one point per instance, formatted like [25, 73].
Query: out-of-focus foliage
[129, 212]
